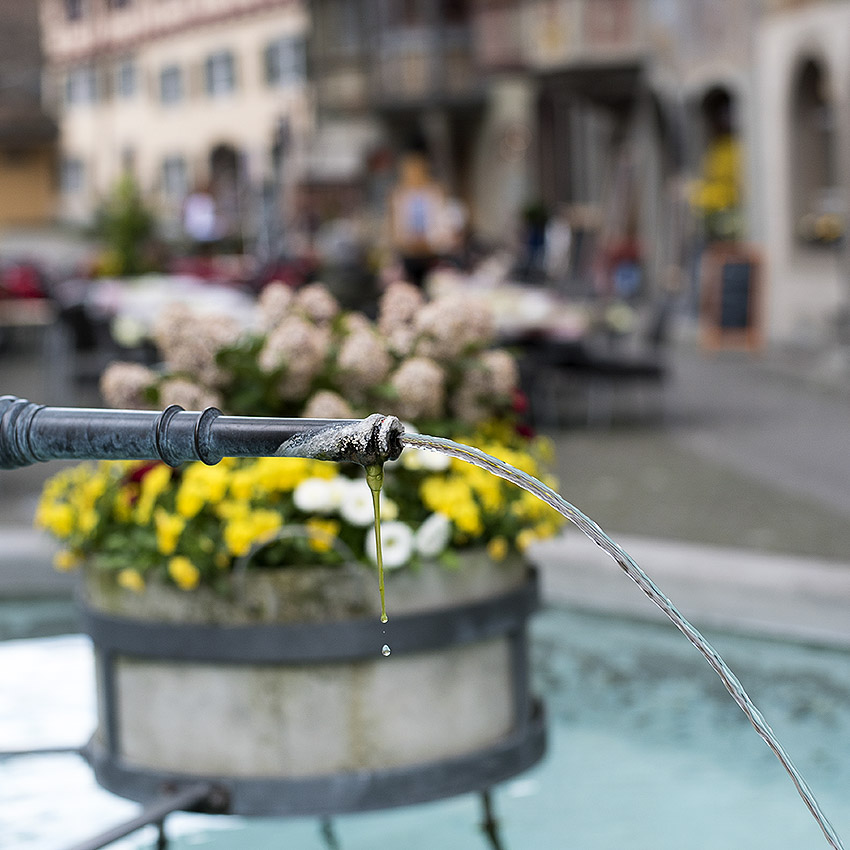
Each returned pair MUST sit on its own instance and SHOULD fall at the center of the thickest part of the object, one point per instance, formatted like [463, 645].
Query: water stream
[646, 584]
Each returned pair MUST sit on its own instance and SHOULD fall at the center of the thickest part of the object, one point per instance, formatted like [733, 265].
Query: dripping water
[646, 584]
[375, 480]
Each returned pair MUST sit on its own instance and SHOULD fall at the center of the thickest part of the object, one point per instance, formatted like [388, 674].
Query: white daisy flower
[433, 535]
[356, 504]
[315, 496]
[397, 544]
[339, 489]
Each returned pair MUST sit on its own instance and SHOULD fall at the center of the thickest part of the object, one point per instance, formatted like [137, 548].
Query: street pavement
[748, 454]
[739, 493]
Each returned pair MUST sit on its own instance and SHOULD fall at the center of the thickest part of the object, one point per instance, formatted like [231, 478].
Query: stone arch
[226, 170]
[813, 151]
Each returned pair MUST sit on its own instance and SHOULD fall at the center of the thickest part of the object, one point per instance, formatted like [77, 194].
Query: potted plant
[234, 608]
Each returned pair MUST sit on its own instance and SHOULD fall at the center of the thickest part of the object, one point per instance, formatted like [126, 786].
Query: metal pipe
[31, 433]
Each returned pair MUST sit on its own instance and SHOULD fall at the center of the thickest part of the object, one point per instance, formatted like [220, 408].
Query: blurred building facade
[28, 136]
[654, 126]
[802, 63]
[181, 95]
[660, 127]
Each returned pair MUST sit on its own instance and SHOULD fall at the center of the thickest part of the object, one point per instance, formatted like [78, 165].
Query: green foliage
[127, 227]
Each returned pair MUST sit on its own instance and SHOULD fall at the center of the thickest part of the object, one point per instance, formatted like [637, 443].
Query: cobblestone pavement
[747, 455]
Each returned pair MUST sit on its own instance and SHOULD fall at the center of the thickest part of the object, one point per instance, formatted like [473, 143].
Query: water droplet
[385, 650]
[384, 618]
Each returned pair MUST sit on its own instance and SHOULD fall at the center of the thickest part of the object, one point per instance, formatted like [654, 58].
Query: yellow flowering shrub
[191, 526]
[430, 362]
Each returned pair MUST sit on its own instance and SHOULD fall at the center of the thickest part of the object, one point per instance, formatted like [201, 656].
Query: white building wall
[99, 133]
[503, 158]
[804, 285]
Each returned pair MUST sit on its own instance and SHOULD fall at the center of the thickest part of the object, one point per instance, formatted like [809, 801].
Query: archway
[225, 185]
[816, 205]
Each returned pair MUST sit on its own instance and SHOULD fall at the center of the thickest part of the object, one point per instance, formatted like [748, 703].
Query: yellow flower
[243, 482]
[546, 529]
[238, 536]
[87, 520]
[123, 506]
[265, 522]
[282, 474]
[201, 485]
[322, 469]
[56, 517]
[189, 500]
[66, 559]
[453, 497]
[94, 488]
[155, 481]
[488, 488]
[245, 529]
[169, 527]
[466, 516]
[525, 538]
[322, 533]
[131, 579]
[184, 573]
[497, 548]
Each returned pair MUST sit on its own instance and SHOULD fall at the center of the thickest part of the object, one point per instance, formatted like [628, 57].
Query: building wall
[805, 284]
[140, 131]
[502, 175]
[27, 184]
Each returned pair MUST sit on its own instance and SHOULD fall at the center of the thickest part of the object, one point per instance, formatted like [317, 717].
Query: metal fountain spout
[32, 433]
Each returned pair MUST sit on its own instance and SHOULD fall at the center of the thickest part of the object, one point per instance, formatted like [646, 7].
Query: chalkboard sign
[735, 295]
[730, 289]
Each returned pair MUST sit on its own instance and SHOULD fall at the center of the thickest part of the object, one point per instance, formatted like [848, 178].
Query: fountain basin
[280, 695]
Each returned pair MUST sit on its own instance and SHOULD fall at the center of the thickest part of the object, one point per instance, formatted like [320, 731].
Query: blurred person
[557, 246]
[200, 219]
[417, 217]
[535, 218]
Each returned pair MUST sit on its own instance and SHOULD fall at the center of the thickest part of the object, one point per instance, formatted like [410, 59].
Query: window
[344, 26]
[170, 84]
[175, 183]
[220, 73]
[71, 175]
[80, 85]
[285, 61]
[126, 81]
[74, 9]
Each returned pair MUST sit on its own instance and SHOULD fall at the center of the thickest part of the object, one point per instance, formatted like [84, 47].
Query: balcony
[424, 66]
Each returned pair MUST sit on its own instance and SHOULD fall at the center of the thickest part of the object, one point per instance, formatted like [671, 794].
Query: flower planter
[281, 697]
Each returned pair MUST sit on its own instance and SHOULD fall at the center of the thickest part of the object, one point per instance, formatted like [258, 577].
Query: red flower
[141, 471]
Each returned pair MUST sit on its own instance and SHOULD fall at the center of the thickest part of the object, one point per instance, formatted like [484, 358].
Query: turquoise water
[647, 751]
[647, 586]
